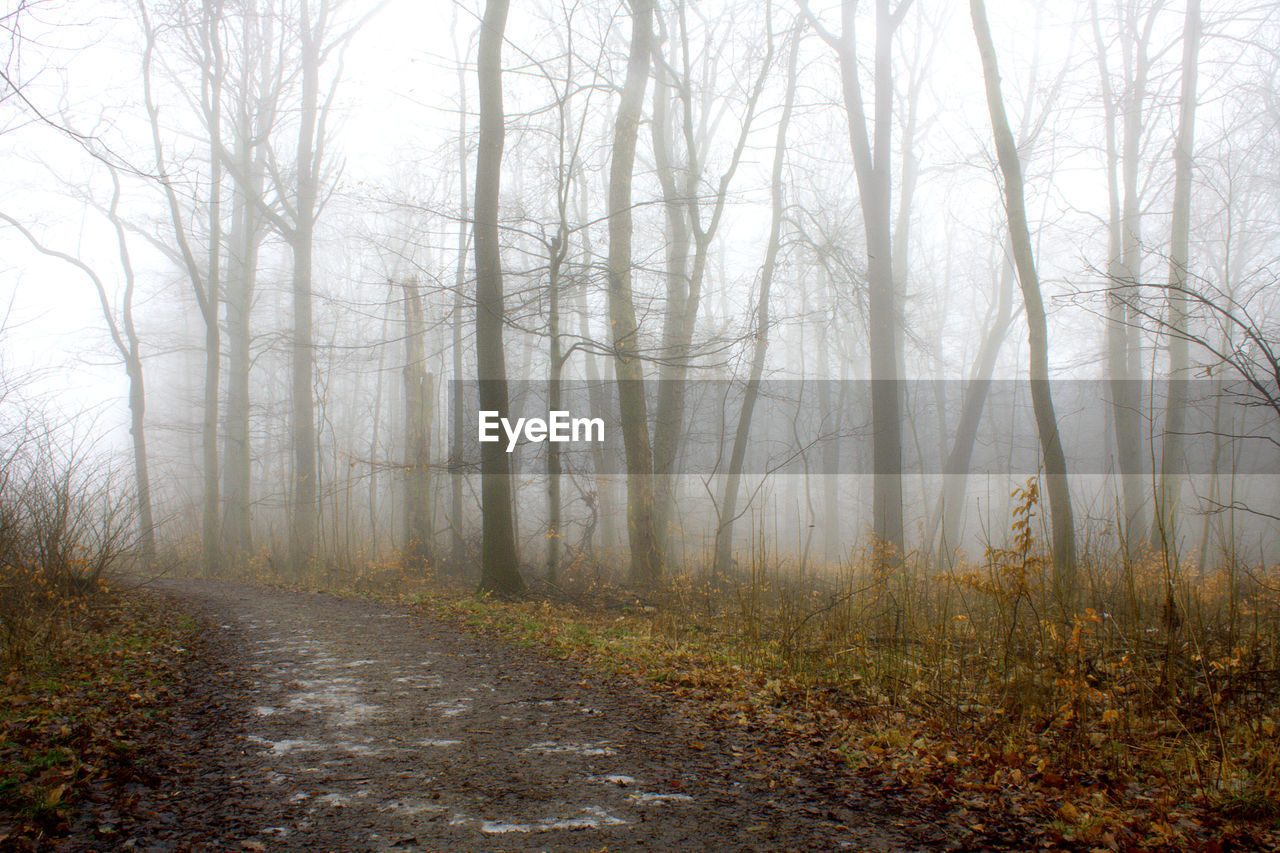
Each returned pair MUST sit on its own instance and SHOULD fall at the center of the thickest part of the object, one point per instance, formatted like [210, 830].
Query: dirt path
[338, 724]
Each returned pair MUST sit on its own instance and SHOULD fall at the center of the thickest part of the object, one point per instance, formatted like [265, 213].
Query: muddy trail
[311, 722]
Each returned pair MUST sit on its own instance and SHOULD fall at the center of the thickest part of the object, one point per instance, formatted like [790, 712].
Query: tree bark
[499, 568]
[646, 559]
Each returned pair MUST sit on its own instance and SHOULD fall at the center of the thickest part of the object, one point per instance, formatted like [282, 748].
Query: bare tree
[693, 213]
[458, 545]
[124, 336]
[499, 569]
[946, 522]
[646, 558]
[871, 145]
[558, 229]
[1164, 528]
[1124, 245]
[11, 31]
[728, 509]
[419, 397]
[254, 87]
[1055, 465]
[297, 199]
[203, 274]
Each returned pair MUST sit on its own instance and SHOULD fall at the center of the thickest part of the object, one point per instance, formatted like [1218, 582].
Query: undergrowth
[83, 671]
[76, 714]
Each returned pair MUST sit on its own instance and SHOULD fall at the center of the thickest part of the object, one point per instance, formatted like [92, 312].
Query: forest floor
[305, 721]
[196, 716]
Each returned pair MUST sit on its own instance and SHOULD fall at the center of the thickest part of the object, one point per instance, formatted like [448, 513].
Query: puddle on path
[617, 779]
[589, 817]
[661, 798]
[550, 747]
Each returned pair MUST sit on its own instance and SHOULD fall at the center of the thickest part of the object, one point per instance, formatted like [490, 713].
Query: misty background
[242, 230]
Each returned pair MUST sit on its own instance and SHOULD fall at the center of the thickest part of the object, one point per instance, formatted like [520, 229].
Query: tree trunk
[1055, 464]
[871, 150]
[418, 393]
[686, 275]
[949, 512]
[256, 103]
[137, 431]
[211, 506]
[559, 248]
[499, 568]
[1123, 267]
[306, 506]
[128, 347]
[1128, 421]
[674, 347]
[457, 477]
[137, 394]
[1164, 529]
[646, 559]
[729, 499]
[204, 282]
[237, 530]
[955, 475]
[212, 96]
[603, 453]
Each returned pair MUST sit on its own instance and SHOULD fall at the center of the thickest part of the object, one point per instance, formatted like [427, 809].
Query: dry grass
[78, 673]
[1147, 711]
[64, 528]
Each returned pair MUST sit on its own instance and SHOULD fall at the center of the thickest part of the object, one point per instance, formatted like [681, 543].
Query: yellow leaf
[54, 796]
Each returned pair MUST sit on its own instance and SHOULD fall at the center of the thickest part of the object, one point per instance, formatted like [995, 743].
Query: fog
[283, 203]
